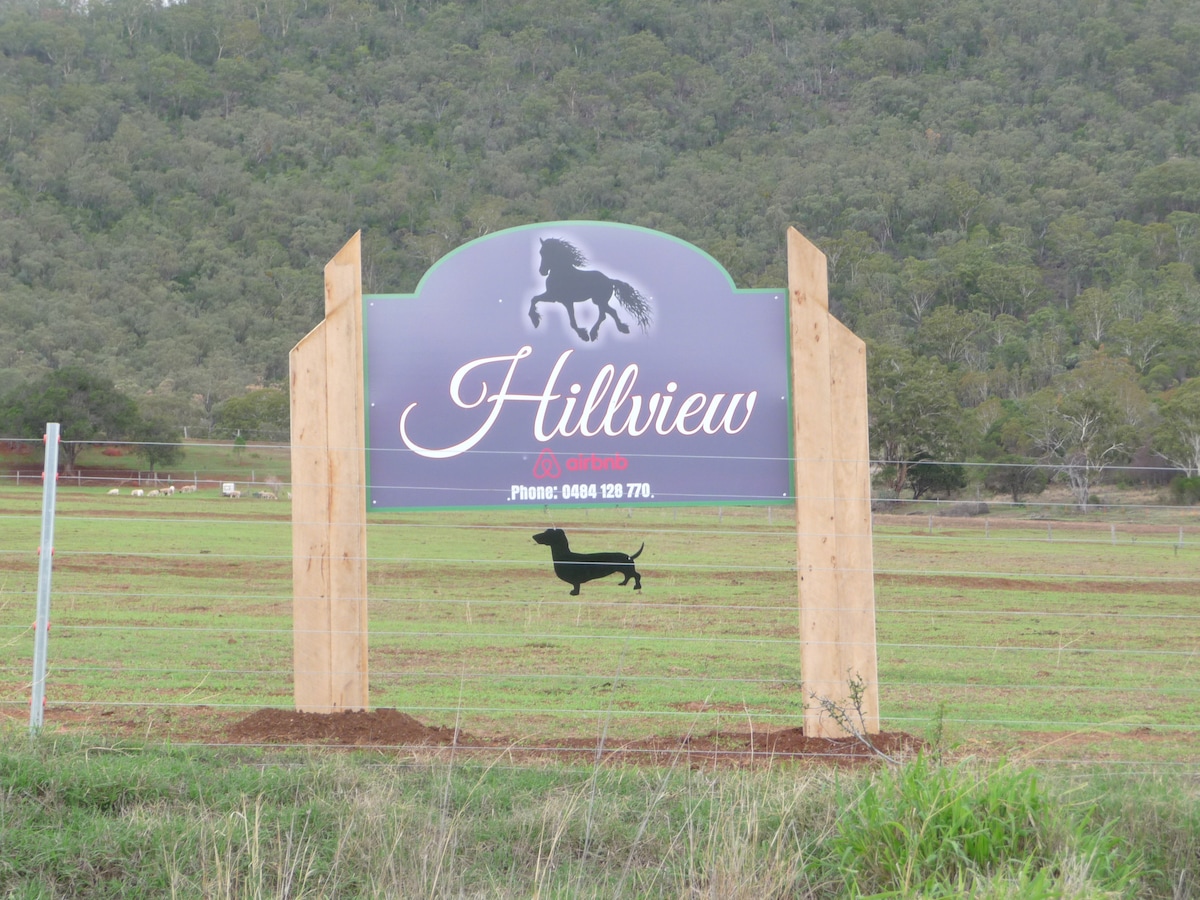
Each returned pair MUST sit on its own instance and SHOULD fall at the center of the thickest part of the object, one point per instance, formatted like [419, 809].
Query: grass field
[85, 818]
[1048, 657]
[1072, 637]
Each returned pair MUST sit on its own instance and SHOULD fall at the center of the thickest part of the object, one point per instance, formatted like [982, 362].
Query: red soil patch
[380, 727]
[394, 730]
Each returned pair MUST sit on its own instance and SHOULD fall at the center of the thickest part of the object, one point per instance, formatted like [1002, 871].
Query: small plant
[937, 733]
[849, 715]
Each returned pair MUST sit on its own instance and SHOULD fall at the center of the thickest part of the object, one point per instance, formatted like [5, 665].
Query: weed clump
[939, 830]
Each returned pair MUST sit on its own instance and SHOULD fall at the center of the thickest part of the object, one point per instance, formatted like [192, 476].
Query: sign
[577, 363]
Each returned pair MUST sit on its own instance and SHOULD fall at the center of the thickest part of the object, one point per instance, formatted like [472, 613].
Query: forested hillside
[1008, 190]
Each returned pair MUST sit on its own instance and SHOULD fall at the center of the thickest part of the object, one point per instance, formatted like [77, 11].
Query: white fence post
[41, 628]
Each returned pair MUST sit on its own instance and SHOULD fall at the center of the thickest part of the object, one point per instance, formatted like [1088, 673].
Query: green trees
[87, 406]
[1087, 420]
[90, 409]
[159, 443]
[1177, 438]
[913, 412]
[1005, 193]
[263, 415]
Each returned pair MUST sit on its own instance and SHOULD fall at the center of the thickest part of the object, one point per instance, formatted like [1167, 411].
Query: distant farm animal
[188, 489]
[576, 568]
[137, 492]
[155, 493]
[168, 490]
[568, 284]
[265, 495]
[114, 492]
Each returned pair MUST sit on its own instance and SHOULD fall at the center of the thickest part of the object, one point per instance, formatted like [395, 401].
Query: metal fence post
[41, 628]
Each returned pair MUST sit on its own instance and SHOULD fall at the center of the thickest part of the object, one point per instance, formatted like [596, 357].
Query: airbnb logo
[547, 465]
[594, 463]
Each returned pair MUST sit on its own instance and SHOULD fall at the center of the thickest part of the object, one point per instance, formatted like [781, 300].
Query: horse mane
[559, 247]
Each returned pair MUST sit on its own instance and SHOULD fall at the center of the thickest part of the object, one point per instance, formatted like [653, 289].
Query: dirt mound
[389, 728]
[377, 727]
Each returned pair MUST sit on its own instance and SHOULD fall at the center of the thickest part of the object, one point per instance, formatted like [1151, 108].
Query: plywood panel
[347, 478]
[833, 553]
[852, 493]
[329, 499]
[310, 534]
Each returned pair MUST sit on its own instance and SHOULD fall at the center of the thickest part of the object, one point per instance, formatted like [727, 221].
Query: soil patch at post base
[394, 730]
[377, 727]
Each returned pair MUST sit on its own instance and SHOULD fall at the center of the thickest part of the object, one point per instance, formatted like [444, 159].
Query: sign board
[550, 411]
[577, 363]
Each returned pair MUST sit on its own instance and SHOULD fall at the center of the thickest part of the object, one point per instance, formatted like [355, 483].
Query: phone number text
[608, 490]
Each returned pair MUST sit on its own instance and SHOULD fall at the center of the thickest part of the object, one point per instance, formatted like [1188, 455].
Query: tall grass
[84, 820]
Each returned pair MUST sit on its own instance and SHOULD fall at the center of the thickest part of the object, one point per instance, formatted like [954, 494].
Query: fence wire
[1065, 633]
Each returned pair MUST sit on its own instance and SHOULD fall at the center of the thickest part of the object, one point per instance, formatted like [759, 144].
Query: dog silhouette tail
[640, 549]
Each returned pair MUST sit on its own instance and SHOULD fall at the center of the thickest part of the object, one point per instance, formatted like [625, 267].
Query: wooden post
[329, 506]
[833, 503]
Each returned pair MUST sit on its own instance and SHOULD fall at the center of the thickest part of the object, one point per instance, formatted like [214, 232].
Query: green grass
[168, 612]
[1062, 639]
[84, 819]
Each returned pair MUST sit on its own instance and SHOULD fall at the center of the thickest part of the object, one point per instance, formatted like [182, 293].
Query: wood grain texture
[833, 513]
[329, 499]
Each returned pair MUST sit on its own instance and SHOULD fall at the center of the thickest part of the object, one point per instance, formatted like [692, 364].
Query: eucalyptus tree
[1177, 437]
[1088, 420]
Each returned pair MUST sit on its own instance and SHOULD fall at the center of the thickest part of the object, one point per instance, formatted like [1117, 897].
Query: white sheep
[137, 492]
[154, 494]
[188, 489]
[114, 492]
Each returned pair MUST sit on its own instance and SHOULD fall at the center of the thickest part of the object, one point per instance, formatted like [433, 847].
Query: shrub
[1186, 491]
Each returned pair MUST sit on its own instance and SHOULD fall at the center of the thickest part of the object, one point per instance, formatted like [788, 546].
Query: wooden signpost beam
[329, 506]
[838, 668]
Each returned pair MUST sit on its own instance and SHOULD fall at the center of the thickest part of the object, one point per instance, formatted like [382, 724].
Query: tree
[1177, 438]
[159, 443]
[1008, 447]
[262, 415]
[1015, 476]
[912, 409]
[953, 336]
[926, 476]
[1089, 419]
[88, 408]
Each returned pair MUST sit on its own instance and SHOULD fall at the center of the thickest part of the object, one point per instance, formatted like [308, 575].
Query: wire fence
[1036, 629]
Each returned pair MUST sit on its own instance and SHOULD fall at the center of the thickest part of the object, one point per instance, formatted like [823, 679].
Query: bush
[1186, 491]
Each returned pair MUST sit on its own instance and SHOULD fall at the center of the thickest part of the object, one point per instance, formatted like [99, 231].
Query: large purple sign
[578, 363]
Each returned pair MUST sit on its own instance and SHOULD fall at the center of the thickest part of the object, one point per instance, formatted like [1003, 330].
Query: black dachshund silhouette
[576, 568]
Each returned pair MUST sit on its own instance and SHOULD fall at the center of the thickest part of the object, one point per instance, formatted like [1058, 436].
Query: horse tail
[632, 299]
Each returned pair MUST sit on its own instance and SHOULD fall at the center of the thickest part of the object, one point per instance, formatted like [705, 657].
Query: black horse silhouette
[568, 284]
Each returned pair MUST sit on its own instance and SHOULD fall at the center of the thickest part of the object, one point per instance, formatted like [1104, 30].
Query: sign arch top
[624, 354]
